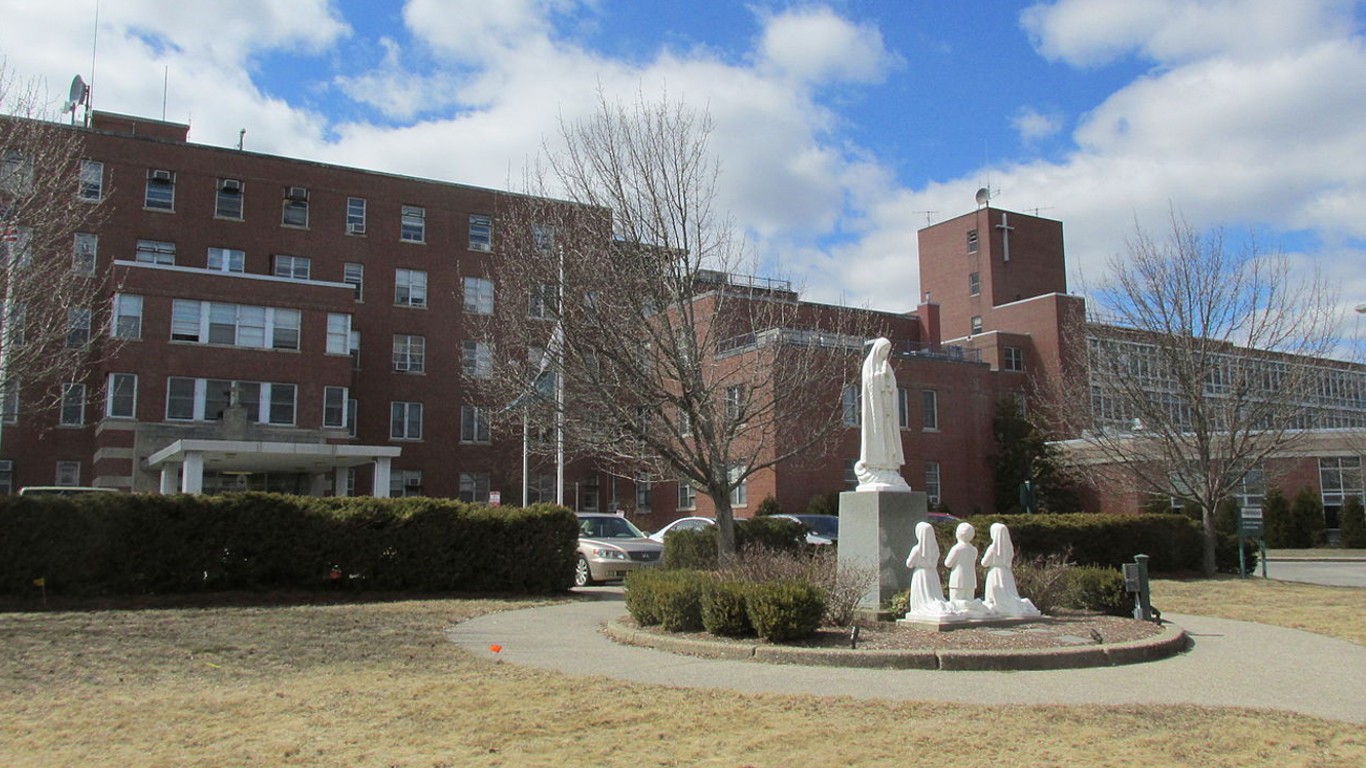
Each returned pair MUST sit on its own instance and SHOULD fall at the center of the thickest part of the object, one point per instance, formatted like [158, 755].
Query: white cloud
[1033, 125]
[815, 45]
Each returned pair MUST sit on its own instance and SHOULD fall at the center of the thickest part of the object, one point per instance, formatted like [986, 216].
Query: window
[588, 494]
[206, 399]
[541, 303]
[735, 402]
[228, 204]
[974, 284]
[354, 276]
[338, 334]
[930, 409]
[77, 327]
[355, 215]
[478, 296]
[476, 362]
[228, 260]
[972, 241]
[474, 487]
[405, 482]
[295, 210]
[68, 473]
[739, 495]
[410, 353]
[6, 477]
[73, 405]
[850, 406]
[16, 317]
[1251, 490]
[413, 224]
[903, 408]
[541, 490]
[405, 421]
[481, 233]
[92, 181]
[155, 252]
[1340, 477]
[1014, 359]
[474, 424]
[9, 402]
[932, 482]
[976, 324]
[293, 267]
[644, 485]
[410, 287]
[355, 349]
[83, 253]
[334, 407]
[160, 194]
[121, 399]
[18, 241]
[238, 325]
[687, 495]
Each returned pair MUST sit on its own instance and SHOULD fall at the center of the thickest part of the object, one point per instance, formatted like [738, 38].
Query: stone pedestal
[877, 531]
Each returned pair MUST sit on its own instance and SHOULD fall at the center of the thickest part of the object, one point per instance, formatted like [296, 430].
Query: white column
[339, 476]
[382, 470]
[192, 477]
[170, 472]
[318, 484]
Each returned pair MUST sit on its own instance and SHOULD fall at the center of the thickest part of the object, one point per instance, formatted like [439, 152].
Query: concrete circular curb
[1169, 642]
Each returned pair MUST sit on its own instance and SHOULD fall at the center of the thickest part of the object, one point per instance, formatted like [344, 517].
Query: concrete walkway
[1232, 664]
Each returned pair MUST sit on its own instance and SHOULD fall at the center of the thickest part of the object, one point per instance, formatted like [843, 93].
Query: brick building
[297, 326]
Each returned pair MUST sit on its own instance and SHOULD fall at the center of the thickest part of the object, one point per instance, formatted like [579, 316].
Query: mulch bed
[1063, 631]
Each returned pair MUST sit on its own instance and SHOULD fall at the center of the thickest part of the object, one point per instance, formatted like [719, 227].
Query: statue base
[950, 623]
[877, 531]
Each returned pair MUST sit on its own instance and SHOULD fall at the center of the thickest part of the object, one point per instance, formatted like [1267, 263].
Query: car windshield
[608, 528]
[825, 525]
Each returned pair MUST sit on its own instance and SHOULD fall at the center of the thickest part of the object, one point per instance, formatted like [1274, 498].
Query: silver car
[610, 547]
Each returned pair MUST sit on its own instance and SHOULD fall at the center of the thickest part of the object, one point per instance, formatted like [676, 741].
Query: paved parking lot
[1351, 573]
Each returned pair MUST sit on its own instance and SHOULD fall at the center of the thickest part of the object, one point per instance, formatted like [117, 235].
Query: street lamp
[1361, 308]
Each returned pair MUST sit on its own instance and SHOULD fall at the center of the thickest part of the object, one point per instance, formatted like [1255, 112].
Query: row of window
[851, 406]
[229, 194]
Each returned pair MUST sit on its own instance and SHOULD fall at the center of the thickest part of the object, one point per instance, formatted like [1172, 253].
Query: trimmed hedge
[724, 610]
[781, 611]
[1172, 542]
[1092, 588]
[109, 544]
[1352, 523]
[696, 549]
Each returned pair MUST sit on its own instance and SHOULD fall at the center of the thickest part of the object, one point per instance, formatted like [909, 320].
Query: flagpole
[559, 388]
[525, 483]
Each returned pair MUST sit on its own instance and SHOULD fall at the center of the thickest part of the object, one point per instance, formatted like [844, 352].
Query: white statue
[927, 594]
[880, 455]
[1000, 595]
[962, 564]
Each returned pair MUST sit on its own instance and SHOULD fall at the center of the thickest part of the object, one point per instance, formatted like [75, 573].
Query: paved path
[1334, 573]
[1233, 663]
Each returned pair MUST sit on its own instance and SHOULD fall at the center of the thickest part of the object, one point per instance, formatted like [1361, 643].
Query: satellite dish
[983, 196]
[79, 90]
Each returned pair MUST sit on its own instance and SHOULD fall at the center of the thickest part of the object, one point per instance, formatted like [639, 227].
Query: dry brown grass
[378, 684]
[1333, 611]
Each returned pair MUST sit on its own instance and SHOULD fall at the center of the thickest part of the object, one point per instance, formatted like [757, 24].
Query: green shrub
[1171, 541]
[1226, 553]
[1276, 519]
[1352, 523]
[1044, 580]
[696, 549]
[769, 506]
[1092, 588]
[642, 591]
[824, 504]
[781, 611]
[1226, 516]
[724, 610]
[678, 598]
[1306, 519]
[844, 583]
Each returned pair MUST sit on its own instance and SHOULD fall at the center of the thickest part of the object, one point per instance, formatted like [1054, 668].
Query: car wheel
[583, 577]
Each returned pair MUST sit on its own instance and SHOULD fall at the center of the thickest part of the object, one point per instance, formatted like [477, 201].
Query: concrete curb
[1171, 641]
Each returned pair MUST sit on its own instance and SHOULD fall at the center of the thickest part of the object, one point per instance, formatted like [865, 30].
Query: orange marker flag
[496, 648]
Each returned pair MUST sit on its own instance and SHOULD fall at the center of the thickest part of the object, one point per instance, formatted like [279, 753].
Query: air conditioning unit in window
[355, 228]
[232, 185]
[6, 465]
[159, 175]
[413, 481]
[297, 193]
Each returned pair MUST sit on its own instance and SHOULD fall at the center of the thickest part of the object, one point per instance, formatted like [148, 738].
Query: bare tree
[1202, 361]
[53, 293]
[621, 300]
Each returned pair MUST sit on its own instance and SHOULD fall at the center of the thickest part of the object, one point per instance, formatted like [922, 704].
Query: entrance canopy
[189, 459]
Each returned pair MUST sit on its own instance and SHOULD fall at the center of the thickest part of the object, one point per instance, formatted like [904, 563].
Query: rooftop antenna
[241, 136]
[983, 197]
[165, 78]
[79, 94]
[928, 215]
[1036, 210]
[94, 46]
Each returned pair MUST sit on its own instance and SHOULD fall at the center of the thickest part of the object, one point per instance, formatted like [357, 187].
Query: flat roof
[268, 456]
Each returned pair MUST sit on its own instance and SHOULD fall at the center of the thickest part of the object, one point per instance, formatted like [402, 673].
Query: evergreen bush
[678, 599]
[782, 611]
[769, 506]
[1306, 520]
[642, 590]
[724, 611]
[1352, 523]
[1092, 588]
[1276, 519]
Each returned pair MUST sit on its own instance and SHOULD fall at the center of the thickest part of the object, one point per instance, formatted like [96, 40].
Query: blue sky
[839, 124]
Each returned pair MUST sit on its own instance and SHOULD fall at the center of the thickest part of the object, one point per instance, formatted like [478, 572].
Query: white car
[682, 524]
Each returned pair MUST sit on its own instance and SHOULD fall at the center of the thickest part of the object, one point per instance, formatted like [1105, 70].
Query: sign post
[1252, 526]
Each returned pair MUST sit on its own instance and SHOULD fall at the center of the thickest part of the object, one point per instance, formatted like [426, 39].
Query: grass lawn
[377, 683]
[1333, 611]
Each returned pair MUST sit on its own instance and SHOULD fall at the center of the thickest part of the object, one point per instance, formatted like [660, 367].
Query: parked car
[610, 547]
[683, 524]
[944, 517]
[820, 529]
